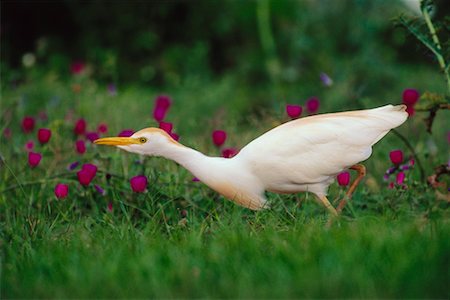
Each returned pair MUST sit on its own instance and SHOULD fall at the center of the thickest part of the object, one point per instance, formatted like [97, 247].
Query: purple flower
[112, 89]
[73, 166]
[326, 80]
[99, 189]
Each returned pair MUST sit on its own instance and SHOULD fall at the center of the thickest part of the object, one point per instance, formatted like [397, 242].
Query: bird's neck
[194, 161]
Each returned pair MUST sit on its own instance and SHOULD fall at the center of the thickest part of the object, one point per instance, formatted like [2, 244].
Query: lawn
[170, 236]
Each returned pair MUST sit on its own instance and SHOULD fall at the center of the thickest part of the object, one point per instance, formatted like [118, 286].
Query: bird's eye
[142, 140]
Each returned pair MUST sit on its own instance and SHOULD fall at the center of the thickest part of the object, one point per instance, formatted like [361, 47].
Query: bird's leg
[328, 205]
[361, 173]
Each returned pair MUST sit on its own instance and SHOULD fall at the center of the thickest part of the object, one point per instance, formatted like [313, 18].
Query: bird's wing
[311, 149]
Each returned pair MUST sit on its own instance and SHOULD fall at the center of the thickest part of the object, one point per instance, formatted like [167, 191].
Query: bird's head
[148, 141]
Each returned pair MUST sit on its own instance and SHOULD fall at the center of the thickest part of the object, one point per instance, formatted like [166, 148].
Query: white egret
[305, 154]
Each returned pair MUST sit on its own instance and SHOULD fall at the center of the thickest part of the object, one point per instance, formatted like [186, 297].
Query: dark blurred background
[148, 41]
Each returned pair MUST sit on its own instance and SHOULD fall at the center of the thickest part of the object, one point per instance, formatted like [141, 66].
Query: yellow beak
[116, 141]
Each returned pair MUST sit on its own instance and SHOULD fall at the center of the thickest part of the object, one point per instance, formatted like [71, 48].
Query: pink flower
[92, 136]
[34, 159]
[77, 67]
[162, 105]
[28, 124]
[80, 127]
[138, 183]
[219, 137]
[126, 133]
[175, 136]
[166, 126]
[229, 152]
[312, 105]
[343, 178]
[61, 190]
[400, 178]
[396, 157]
[7, 133]
[29, 146]
[86, 174]
[80, 146]
[44, 135]
[110, 207]
[102, 128]
[293, 110]
[410, 96]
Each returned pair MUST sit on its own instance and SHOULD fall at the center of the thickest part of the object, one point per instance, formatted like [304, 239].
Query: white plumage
[301, 155]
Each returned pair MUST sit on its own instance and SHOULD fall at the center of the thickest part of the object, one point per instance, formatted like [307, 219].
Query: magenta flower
[110, 207]
[29, 146]
[126, 133]
[166, 126]
[343, 178]
[102, 128]
[219, 137]
[91, 168]
[162, 105]
[294, 111]
[396, 157]
[86, 174]
[80, 146]
[61, 190]
[92, 136]
[34, 159]
[410, 97]
[77, 67]
[7, 133]
[229, 152]
[312, 105]
[410, 110]
[400, 178]
[80, 127]
[195, 179]
[138, 183]
[44, 135]
[175, 136]
[28, 124]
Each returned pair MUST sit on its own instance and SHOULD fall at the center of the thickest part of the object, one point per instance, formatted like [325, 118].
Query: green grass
[388, 243]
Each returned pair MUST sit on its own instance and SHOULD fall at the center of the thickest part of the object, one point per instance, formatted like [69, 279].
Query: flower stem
[435, 38]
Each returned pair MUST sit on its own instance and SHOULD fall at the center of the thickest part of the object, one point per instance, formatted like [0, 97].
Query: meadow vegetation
[130, 226]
